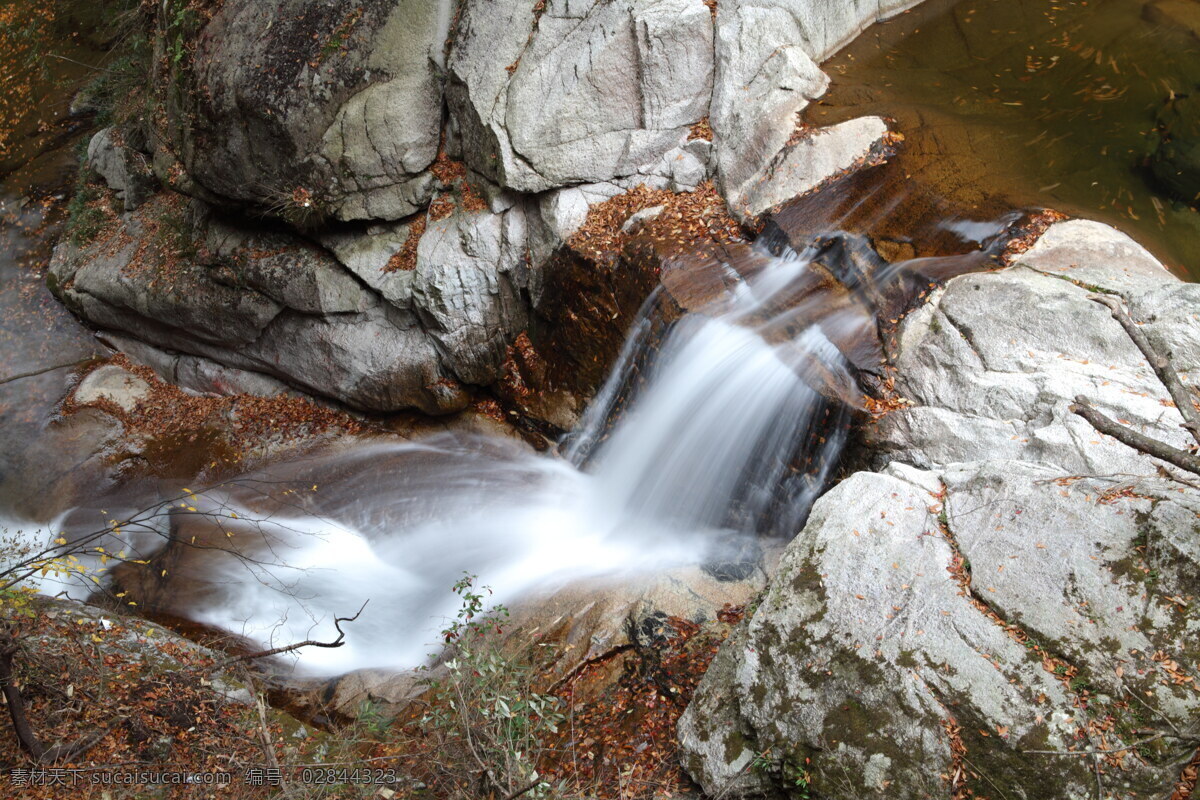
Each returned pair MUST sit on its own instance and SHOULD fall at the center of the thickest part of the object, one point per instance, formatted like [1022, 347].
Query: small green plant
[181, 21]
[761, 763]
[174, 233]
[371, 719]
[786, 771]
[798, 778]
[490, 723]
[85, 217]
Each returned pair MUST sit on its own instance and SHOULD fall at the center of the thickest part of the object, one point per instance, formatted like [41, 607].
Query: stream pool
[1054, 103]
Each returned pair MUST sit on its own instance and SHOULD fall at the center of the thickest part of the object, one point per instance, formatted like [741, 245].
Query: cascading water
[704, 436]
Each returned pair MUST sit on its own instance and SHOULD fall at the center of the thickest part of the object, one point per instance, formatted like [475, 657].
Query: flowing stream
[725, 438]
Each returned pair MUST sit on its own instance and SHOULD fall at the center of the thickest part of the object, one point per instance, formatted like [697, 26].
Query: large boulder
[766, 73]
[1012, 590]
[991, 370]
[371, 336]
[933, 630]
[312, 109]
[334, 104]
[566, 93]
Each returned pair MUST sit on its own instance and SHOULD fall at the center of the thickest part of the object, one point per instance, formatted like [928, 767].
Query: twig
[1180, 734]
[983, 775]
[43, 370]
[1139, 442]
[16, 709]
[1095, 766]
[532, 785]
[80, 63]
[1162, 366]
[264, 734]
[274, 651]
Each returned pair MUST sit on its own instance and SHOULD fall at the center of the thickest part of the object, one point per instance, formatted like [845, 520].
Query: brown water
[1038, 102]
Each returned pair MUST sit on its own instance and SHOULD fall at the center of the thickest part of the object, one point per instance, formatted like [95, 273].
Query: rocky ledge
[366, 202]
[1006, 605]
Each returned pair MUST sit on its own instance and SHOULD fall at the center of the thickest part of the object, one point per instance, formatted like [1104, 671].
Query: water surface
[1041, 102]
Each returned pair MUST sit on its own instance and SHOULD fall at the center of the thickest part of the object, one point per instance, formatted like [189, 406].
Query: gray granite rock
[1010, 582]
[467, 290]
[992, 363]
[766, 73]
[341, 101]
[267, 303]
[867, 645]
[126, 171]
[112, 384]
[585, 93]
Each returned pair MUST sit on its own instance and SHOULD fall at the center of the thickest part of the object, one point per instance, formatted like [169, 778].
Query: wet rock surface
[1010, 582]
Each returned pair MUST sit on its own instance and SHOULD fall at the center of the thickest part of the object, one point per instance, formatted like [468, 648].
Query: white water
[702, 454]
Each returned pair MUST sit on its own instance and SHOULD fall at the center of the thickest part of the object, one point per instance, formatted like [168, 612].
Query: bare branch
[1162, 366]
[274, 651]
[1139, 442]
[527, 788]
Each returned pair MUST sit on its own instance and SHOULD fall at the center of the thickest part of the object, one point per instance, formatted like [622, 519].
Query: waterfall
[710, 431]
